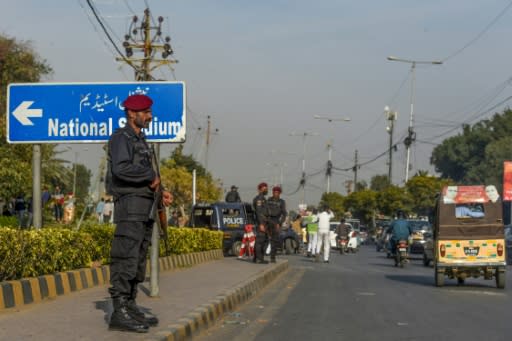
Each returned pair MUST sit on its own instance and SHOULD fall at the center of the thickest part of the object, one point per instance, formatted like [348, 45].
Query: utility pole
[356, 166]
[140, 39]
[328, 172]
[411, 134]
[303, 177]
[208, 134]
[391, 116]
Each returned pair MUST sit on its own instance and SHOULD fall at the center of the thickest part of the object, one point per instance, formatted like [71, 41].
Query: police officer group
[270, 216]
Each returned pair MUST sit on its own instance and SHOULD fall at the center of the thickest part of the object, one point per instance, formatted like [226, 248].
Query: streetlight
[411, 135]
[329, 147]
[331, 119]
[303, 179]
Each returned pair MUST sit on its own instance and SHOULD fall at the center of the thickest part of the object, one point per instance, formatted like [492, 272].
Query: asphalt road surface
[363, 296]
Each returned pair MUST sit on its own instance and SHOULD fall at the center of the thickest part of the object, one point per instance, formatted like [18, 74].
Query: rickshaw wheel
[439, 278]
[460, 281]
[500, 279]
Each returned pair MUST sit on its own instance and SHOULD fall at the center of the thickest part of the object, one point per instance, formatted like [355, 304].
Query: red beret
[261, 185]
[276, 189]
[137, 102]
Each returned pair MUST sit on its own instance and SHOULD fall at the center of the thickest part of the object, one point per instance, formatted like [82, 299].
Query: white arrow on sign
[22, 113]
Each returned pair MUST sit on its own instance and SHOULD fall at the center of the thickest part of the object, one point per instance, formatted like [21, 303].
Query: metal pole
[155, 246]
[411, 120]
[304, 169]
[74, 175]
[391, 119]
[329, 146]
[355, 171]
[281, 175]
[390, 175]
[36, 187]
[194, 187]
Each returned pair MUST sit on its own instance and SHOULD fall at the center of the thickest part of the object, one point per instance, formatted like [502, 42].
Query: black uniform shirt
[132, 173]
[277, 209]
[260, 208]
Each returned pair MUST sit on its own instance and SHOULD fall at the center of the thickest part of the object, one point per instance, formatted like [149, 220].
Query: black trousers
[259, 245]
[129, 257]
[273, 234]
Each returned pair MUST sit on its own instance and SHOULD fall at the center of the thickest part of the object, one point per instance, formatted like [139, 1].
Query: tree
[379, 182]
[422, 191]
[476, 155]
[362, 204]
[176, 173]
[335, 202]
[361, 185]
[392, 199]
[19, 63]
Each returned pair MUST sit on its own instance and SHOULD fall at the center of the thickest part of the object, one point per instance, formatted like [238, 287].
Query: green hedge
[31, 253]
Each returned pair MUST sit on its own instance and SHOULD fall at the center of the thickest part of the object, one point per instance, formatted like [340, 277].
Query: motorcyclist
[400, 229]
[342, 230]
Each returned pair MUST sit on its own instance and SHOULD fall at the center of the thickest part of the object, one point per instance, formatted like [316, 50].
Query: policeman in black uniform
[233, 195]
[277, 216]
[133, 184]
[261, 211]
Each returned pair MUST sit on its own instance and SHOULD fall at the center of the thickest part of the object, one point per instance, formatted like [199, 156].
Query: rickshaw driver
[400, 230]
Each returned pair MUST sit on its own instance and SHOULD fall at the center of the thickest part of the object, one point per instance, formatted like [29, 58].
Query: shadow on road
[414, 279]
[106, 306]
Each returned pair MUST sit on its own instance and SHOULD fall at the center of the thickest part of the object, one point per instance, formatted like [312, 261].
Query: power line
[479, 35]
[474, 117]
[91, 6]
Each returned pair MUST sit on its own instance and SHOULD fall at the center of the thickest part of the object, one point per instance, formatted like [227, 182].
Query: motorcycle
[401, 253]
[342, 244]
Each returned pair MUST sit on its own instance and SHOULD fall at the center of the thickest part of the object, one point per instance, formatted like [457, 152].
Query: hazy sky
[263, 69]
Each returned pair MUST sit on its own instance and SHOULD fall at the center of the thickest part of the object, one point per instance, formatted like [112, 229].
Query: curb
[206, 315]
[15, 294]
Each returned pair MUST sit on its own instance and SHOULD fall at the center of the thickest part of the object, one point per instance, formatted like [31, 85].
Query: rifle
[158, 212]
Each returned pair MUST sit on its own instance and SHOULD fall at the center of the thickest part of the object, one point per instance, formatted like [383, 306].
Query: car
[363, 234]
[230, 218]
[417, 239]
[332, 233]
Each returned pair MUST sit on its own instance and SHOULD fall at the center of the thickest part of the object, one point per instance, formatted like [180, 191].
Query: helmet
[400, 214]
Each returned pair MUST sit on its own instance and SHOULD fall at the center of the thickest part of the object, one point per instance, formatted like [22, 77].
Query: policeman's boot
[136, 312]
[122, 320]
[139, 315]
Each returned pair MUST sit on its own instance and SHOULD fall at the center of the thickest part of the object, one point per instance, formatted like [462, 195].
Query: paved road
[364, 297]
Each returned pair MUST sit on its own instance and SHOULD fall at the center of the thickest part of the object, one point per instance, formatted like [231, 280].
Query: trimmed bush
[31, 253]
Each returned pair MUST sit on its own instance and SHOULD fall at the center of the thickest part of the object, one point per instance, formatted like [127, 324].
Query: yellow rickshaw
[468, 236]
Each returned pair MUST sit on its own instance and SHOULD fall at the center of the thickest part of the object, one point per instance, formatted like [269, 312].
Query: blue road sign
[90, 112]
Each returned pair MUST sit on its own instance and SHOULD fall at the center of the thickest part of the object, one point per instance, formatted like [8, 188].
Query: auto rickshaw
[468, 236]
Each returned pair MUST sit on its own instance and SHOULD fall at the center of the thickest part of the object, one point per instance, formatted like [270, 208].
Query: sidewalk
[190, 299]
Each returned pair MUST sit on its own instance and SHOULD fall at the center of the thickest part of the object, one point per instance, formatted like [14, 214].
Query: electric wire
[479, 35]
[93, 9]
